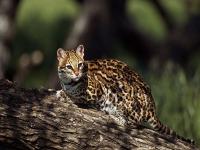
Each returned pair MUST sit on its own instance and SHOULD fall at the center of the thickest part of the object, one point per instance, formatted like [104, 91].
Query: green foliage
[177, 10]
[42, 25]
[44, 21]
[178, 100]
[148, 20]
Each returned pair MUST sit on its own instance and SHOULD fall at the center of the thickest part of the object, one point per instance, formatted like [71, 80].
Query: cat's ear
[60, 53]
[80, 51]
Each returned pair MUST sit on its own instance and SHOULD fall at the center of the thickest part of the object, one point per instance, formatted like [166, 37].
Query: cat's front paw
[59, 93]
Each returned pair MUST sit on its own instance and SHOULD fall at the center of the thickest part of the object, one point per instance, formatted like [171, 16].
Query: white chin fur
[76, 79]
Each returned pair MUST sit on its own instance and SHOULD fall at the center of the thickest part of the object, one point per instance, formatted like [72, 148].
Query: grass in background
[178, 100]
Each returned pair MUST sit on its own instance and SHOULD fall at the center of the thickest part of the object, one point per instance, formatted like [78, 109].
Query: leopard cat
[111, 86]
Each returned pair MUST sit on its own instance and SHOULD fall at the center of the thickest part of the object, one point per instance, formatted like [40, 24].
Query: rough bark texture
[39, 119]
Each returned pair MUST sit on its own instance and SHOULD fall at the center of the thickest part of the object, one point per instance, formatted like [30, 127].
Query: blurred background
[160, 39]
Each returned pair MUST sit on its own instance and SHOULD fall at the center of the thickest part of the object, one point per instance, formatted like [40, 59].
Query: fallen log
[48, 119]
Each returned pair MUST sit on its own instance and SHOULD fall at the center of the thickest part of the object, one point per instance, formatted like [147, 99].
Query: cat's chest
[75, 90]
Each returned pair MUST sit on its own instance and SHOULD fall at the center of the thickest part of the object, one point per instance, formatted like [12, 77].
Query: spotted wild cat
[109, 85]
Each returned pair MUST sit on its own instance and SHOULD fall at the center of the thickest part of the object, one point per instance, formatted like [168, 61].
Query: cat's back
[112, 71]
[105, 65]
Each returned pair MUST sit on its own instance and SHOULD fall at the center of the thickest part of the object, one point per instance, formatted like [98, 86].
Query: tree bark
[47, 119]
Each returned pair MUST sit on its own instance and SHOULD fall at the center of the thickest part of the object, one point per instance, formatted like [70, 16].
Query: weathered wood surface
[39, 119]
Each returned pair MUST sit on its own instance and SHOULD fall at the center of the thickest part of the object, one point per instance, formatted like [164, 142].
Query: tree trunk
[103, 23]
[46, 119]
[8, 10]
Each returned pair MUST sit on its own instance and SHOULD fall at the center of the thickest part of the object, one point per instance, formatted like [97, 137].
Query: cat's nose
[76, 73]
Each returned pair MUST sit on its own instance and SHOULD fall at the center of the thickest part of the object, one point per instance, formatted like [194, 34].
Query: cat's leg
[107, 105]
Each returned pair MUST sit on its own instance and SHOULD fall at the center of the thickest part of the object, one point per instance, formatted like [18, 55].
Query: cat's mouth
[76, 78]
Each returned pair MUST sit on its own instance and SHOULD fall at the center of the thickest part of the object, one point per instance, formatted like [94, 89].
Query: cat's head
[70, 64]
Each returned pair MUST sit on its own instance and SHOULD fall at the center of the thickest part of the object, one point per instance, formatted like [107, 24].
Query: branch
[46, 119]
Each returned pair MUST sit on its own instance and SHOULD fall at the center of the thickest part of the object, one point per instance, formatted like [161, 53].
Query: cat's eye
[80, 65]
[62, 68]
[69, 67]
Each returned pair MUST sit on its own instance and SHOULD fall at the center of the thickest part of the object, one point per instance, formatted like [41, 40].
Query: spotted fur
[111, 86]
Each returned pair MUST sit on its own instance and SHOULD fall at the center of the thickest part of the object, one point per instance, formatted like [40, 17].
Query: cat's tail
[156, 124]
